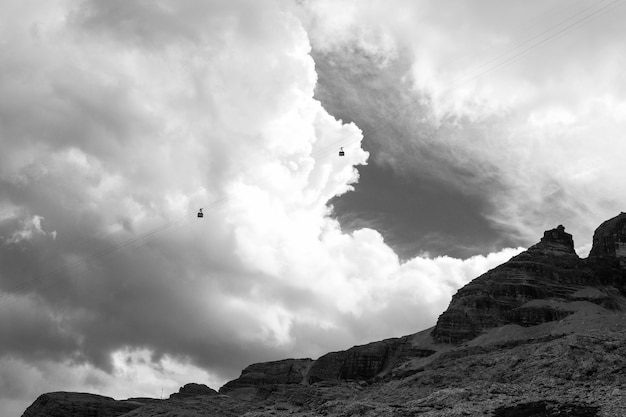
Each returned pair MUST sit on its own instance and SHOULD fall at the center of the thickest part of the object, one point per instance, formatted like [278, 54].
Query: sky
[469, 128]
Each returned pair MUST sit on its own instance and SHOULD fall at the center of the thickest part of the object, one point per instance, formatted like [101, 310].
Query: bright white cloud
[118, 117]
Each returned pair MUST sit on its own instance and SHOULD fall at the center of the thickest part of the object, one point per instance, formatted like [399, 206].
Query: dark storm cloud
[522, 138]
[408, 198]
[41, 333]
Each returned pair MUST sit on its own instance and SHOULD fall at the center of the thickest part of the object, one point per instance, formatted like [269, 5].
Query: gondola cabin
[200, 213]
[341, 152]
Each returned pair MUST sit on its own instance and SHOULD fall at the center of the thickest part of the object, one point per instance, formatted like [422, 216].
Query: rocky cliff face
[549, 271]
[362, 363]
[609, 240]
[74, 404]
[541, 335]
[193, 390]
[359, 363]
[259, 375]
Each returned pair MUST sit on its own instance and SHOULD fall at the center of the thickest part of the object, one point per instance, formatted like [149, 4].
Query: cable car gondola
[341, 152]
[200, 213]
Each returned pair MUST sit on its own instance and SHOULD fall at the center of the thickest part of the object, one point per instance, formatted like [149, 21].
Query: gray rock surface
[76, 404]
[549, 270]
[364, 362]
[256, 377]
[193, 390]
[609, 239]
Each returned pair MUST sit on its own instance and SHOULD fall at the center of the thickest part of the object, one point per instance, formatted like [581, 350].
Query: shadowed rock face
[288, 371]
[546, 409]
[73, 404]
[364, 362]
[359, 363]
[192, 390]
[549, 271]
[609, 240]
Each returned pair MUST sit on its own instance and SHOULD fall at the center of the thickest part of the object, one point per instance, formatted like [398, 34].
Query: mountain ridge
[541, 335]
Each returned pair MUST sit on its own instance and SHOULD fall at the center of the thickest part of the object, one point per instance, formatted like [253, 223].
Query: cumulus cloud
[119, 121]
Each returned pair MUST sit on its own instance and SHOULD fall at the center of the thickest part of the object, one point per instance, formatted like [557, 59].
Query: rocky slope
[543, 335]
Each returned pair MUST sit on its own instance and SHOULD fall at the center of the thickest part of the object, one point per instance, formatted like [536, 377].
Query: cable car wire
[532, 45]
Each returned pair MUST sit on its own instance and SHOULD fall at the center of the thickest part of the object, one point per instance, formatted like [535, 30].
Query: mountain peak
[558, 237]
[540, 285]
[555, 242]
[609, 239]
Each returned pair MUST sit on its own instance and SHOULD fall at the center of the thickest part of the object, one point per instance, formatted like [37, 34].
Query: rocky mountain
[542, 335]
[540, 285]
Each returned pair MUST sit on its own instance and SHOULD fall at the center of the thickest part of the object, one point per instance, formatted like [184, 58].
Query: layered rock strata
[550, 271]
[76, 404]
[287, 371]
[359, 363]
[364, 362]
[609, 240]
[193, 390]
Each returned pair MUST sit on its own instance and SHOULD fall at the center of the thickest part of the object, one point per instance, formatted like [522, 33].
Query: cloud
[23, 381]
[493, 100]
[29, 228]
[119, 121]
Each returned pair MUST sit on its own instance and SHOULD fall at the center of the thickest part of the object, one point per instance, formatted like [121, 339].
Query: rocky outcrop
[287, 371]
[196, 406]
[75, 404]
[497, 297]
[549, 270]
[534, 315]
[359, 363]
[364, 362]
[609, 240]
[193, 390]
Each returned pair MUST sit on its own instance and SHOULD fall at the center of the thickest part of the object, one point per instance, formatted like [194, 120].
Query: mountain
[539, 285]
[542, 335]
